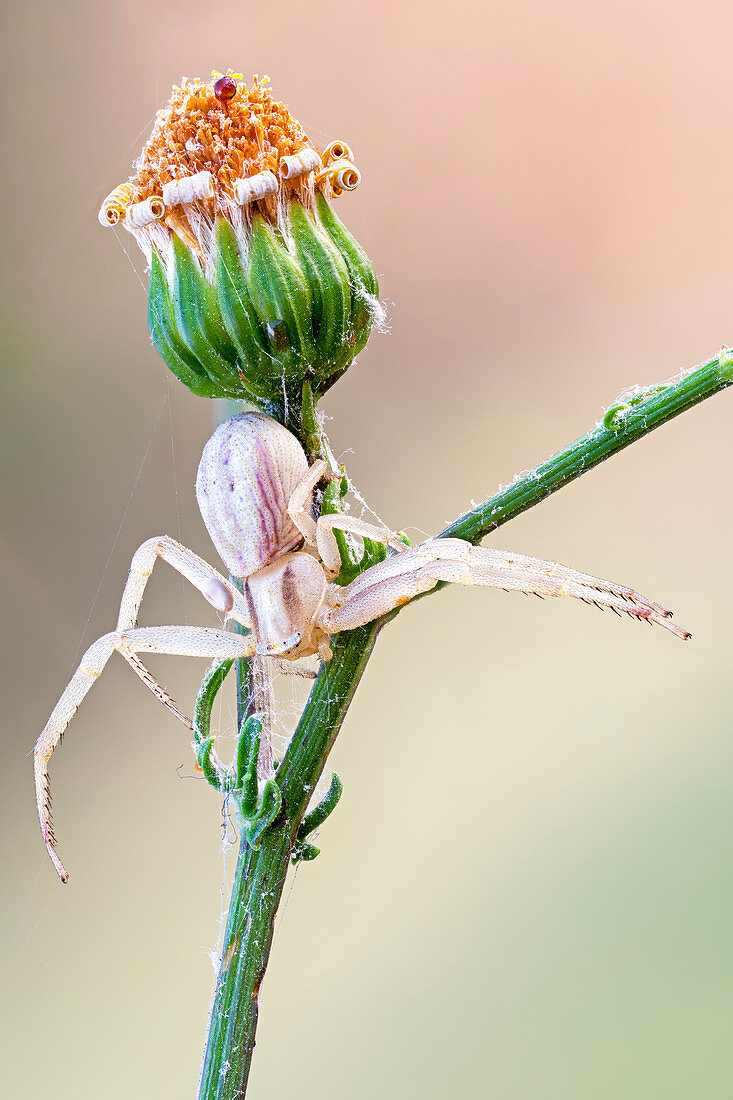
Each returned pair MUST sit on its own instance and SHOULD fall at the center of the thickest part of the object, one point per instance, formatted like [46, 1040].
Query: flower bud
[256, 287]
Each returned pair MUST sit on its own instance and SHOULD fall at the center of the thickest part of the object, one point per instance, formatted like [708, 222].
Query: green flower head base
[256, 287]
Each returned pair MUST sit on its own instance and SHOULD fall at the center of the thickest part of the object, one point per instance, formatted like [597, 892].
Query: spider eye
[225, 88]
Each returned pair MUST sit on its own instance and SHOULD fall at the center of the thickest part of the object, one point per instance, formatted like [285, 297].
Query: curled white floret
[255, 187]
[337, 150]
[345, 175]
[113, 208]
[189, 189]
[144, 213]
[300, 164]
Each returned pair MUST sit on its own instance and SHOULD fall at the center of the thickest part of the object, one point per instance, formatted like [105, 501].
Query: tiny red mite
[225, 88]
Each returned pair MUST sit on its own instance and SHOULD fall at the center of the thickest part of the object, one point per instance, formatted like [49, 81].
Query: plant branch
[624, 423]
[261, 873]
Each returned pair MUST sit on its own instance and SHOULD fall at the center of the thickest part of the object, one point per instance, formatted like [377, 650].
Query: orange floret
[232, 137]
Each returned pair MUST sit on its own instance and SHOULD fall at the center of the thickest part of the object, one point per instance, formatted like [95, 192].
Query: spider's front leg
[328, 547]
[319, 533]
[399, 579]
[187, 641]
[215, 588]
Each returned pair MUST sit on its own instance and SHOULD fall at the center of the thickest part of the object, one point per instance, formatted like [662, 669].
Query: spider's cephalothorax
[255, 491]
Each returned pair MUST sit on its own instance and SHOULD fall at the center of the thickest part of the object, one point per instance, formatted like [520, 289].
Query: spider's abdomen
[246, 477]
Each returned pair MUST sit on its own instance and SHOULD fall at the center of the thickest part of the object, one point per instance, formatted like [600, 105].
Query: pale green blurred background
[527, 890]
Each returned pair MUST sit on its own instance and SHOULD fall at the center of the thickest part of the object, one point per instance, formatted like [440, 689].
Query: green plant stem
[256, 891]
[663, 403]
[260, 875]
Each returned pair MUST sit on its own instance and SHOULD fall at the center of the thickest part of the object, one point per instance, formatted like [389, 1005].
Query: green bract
[275, 308]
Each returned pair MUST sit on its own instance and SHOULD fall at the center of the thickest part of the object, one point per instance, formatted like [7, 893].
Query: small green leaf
[248, 751]
[214, 677]
[303, 853]
[374, 552]
[269, 807]
[214, 771]
[330, 506]
[324, 809]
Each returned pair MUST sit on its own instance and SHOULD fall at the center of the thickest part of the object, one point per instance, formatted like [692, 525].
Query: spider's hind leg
[517, 572]
[399, 579]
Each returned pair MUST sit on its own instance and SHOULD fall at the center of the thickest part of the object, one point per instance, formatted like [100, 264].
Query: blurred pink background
[545, 913]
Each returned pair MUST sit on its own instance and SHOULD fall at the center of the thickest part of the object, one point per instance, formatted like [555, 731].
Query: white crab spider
[255, 492]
